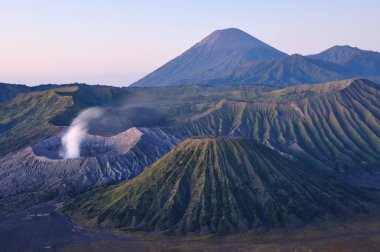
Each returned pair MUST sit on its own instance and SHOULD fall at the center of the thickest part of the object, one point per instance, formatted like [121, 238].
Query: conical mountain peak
[216, 185]
[231, 38]
[211, 58]
[232, 56]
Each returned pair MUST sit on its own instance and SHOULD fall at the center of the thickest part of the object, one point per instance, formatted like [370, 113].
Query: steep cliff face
[104, 160]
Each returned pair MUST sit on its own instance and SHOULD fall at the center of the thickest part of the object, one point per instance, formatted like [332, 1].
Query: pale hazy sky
[116, 42]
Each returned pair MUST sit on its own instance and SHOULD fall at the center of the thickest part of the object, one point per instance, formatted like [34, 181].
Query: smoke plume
[77, 131]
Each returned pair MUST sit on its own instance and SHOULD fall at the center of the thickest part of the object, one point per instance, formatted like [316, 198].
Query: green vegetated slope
[148, 107]
[9, 91]
[179, 102]
[24, 120]
[208, 185]
[335, 125]
[33, 115]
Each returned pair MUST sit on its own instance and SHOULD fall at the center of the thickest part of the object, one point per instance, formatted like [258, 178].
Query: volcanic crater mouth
[92, 145]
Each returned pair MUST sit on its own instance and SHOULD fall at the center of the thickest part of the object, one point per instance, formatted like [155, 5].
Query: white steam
[77, 131]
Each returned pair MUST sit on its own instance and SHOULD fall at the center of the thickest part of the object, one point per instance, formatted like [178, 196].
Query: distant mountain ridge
[355, 61]
[292, 70]
[9, 91]
[339, 54]
[232, 56]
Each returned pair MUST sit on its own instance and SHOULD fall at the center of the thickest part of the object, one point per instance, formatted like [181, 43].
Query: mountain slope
[288, 71]
[214, 56]
[354, 62]
[232, 56]
[8, 91]
[49, 111]
[31, 111]
[343, 55]
[338, 54]
[104, 160]
[217, 185]
[334, 124]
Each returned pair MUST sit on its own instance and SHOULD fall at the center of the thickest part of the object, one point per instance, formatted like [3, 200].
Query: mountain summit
[211, 58]
[231, 56]
[354, 61]
[338, 54]
[234, 39]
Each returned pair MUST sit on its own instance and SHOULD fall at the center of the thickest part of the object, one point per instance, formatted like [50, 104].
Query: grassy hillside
[9, 91]
[34, 115]
[218, 185]
[335, 125]
[24, 120]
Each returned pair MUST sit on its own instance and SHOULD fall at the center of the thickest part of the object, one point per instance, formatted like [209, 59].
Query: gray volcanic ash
[104, 160]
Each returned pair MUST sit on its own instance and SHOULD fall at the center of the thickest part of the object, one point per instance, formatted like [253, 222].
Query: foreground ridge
[218, 184]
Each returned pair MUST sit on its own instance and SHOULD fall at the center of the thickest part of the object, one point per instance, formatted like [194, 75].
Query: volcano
[104, 160]
[213, 57]
[218, 185]
[233, 57]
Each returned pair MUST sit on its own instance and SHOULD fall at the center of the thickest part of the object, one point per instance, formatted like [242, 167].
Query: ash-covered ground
[42, 227]
[38, 173]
